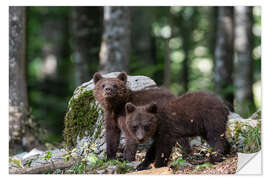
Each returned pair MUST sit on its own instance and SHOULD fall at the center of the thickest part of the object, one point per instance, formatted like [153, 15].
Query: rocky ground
[38, 162]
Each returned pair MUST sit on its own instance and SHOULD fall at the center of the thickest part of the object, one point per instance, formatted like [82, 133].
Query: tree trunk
[141, 36]
[186, 68]
[115, 47]
[18, 100]
[188, 22]
[243, 61]
[86, 35]
[167, 67]
[224, 54]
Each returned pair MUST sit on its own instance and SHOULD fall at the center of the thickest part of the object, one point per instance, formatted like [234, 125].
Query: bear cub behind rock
[193, 114]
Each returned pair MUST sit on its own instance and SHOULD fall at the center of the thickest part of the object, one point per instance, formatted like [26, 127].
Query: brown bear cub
[193, 114]
[113, 94]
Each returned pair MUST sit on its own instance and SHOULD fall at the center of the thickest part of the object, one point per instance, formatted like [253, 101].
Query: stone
[33, 153]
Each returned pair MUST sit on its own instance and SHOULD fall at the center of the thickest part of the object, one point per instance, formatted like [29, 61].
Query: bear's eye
[134, 128]
[146, 127]
[103, 86]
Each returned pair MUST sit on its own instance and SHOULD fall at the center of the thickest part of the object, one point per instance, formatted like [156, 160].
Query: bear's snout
[108, 90]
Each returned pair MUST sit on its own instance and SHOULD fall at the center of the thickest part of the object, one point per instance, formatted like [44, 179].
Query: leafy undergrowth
[98, 166]
[196, 164]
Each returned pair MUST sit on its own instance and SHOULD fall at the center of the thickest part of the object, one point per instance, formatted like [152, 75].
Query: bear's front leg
[130, 149]
[112, 136]
[149, 158]
[112, 142]
[163, 153]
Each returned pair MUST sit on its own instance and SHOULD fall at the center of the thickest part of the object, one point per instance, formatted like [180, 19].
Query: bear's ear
[122, 77]
[152, 108]
[130, 107]
[97, 77]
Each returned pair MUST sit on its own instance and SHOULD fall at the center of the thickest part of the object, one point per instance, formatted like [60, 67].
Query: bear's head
[141, 121]
[107, 89]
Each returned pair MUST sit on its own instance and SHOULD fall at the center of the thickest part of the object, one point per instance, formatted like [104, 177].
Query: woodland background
[52, 50]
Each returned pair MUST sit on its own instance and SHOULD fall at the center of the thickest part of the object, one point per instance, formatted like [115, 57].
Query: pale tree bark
[86, 29]
[115, 47]
[243, 76]
[224, 53]
[18, 100]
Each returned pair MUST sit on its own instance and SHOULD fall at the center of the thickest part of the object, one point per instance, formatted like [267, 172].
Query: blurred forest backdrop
[55, 49]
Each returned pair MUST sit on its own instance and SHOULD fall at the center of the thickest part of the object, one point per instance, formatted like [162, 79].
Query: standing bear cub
[193, 114]
[113, 94]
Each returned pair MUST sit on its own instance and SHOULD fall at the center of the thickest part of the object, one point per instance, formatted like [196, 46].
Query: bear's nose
[108, 90]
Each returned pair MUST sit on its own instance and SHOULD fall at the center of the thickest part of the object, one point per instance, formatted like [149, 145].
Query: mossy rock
[245, 134]
[81, 117]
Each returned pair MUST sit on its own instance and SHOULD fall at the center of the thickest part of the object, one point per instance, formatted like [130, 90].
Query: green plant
[203, 166]
[47, 156]
[252, 141]
[179, 162]
[79, 168]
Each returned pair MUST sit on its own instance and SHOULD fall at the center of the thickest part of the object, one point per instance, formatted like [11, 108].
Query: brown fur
[193, 114]
[113, 94]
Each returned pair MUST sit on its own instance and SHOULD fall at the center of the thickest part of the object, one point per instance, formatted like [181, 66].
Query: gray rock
[133, 163]
[111, 169]
[101, 171]
[196, 141]
[33, 153]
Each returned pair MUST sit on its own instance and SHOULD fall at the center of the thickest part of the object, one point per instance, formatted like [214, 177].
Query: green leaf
[92, 158]
[18, 162]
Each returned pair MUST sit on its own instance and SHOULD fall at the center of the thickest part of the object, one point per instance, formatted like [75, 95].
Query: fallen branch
[58, 164]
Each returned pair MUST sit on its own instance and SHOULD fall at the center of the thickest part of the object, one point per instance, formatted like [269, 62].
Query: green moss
[81, 117]
[253, 139]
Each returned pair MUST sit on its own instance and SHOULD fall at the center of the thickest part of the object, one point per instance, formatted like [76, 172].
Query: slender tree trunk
[186, 68]
[142, 18]
[18, 100]
[213, 18]
[86, 35]
[115, 47]
[187, 24]
[167, 68]
[224, 53]
[243, 60]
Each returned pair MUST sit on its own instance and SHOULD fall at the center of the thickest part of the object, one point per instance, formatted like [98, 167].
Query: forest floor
[228, 166]
[196, 164]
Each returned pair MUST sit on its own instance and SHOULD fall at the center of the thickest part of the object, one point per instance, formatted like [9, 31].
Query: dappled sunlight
[166, 32]
[257, 53]
[49, 66]
[200, 51]
[257, 90]
[205, 65]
